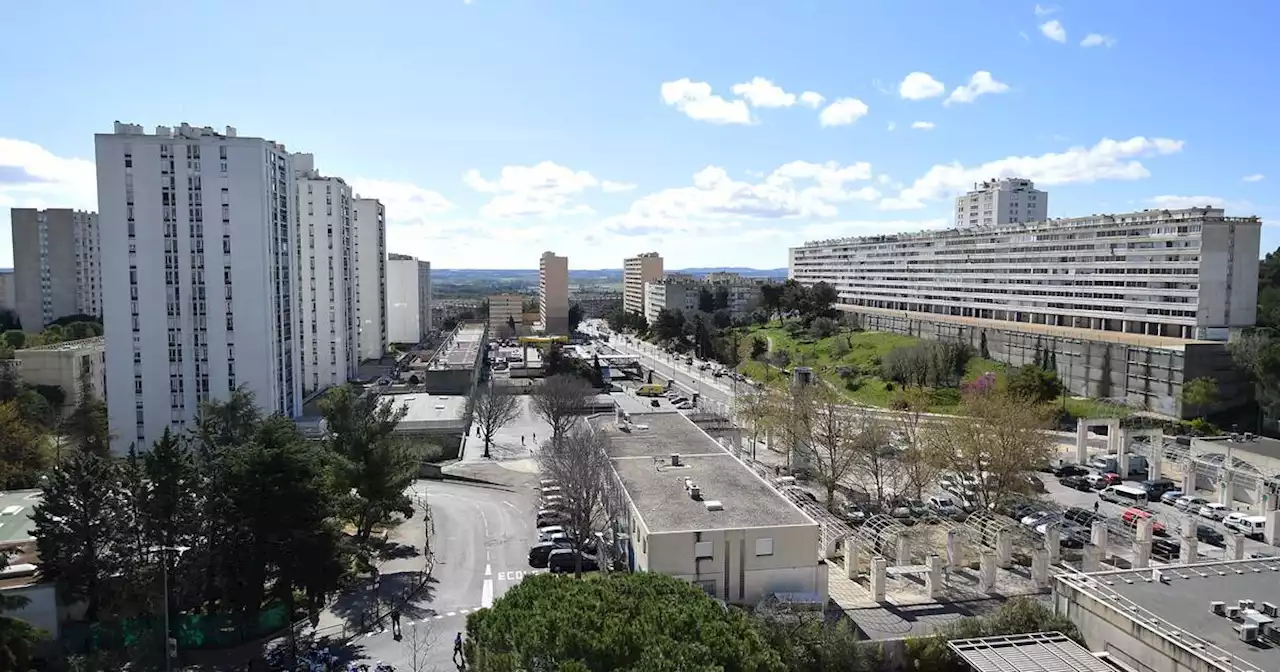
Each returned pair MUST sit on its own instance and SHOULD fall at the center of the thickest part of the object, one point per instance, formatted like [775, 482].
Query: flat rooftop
[1069, 333]
[1032, 652]
[1182, 600]
[462, 348]
[67, 346]
[427, 412]
[16, 507]
[641, 452]
[1256, 445]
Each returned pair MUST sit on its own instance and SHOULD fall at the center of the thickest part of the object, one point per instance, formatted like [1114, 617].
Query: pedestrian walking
[1095, 507]
[457, 650]
[522, 439]
[535, 437]
[395, 622]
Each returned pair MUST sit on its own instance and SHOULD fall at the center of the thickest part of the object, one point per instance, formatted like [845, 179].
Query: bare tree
[494, 409]
[580, 463]
[995, 444]
[874, 456]
[918, 471]
[758, 410]
[831, 445]
[417, 641]
[559, 400]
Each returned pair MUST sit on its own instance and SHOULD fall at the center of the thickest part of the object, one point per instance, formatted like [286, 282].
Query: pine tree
[87, 425]
[982, 347]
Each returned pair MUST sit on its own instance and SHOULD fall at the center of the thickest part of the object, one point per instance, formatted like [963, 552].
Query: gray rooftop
[641, 454]
[15, 515]
[1032, 652]
[426, 412]
[1182, 600]
[462, 349]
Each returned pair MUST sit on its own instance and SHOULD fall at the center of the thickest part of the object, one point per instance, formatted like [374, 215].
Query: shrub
[822, 327]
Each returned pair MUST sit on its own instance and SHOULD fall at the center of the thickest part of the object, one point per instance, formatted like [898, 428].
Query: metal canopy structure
[1033, 652]
[880, 534]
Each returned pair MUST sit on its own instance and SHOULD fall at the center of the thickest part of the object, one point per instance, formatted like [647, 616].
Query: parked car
[943, 506]
[1036, 518]
[1076, 483]
[1097, 481]
[852, 513]
[1190, 503]
[541, 551]
[563, 560]
[1133, 514]
[1214, 511]
[1111, 478]
[1170, 497]
[1157, 487]
[1081, 516]
[546, 532]
[1070, 470]
[1210, 535]
[1165, 549]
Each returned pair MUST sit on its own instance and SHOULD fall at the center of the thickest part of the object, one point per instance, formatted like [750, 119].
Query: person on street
[395, 622]
[457, 650]
[522, 439]
[1095, 507]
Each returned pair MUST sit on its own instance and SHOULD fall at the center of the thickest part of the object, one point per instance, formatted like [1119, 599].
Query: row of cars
[556, 549]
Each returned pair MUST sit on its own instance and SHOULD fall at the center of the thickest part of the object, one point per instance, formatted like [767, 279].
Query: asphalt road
[710, 389]
[481, 543]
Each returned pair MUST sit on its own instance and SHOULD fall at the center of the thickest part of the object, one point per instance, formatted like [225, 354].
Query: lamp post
[170, 644]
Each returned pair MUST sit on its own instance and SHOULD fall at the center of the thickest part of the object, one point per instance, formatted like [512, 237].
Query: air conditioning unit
[1218, 607]
[1244, 604]
[1270, 609]
[695, 492]
[1233, 612]
[1248, 632]
[675, 459]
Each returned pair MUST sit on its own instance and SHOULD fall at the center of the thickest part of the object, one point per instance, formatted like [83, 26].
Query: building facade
[670, 293]
[369, 219]
[636, 271]
[75, 366]
[408, 299]
[57, 266]
[997, 202]
[730, 291]
[198, 228]
[505, 309]
[8, 291]
[328, 328]
[553, 294]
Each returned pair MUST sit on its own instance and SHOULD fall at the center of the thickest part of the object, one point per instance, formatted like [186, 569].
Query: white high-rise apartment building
[369, 220]
[198, 275]
[998, 202]
[408, 298]
[553, 294]
[57, 269]
[636, 271]
[328, 330]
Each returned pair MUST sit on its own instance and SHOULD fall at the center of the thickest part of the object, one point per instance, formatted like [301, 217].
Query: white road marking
[464, 611]
[438, 617]
[484, 519]
[486, 595]
[488, 570]
[513, 506]
[452, 613]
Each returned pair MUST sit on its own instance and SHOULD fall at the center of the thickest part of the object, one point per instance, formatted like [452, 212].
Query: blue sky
[496, 129]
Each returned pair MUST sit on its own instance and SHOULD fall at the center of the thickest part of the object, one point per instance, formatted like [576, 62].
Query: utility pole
[170, 644]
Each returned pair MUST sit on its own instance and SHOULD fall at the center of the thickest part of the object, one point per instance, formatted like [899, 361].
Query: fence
[193, 631]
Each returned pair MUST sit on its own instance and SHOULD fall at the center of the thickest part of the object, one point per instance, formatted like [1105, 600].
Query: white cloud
[893, 125]
[33, 177]
[842, 112]
[1256, 177]
[716, 200]
[923, 125]
[1045, 11]
[1107, 160]
[404, 201]
[541, 190]
[1170, 202]
[696, 100]
[812, 99]
[1053, 30]
[919, 86]
[980, 83]
[609, 187]
[761, 92]
[1097, 40]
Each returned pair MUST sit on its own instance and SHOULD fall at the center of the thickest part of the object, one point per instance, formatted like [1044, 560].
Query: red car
[1111, 478]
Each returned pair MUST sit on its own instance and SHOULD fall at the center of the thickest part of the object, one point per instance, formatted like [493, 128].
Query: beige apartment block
[63, 365]
[505, 309]
[636, 271]
[553, 294]
[56, 267]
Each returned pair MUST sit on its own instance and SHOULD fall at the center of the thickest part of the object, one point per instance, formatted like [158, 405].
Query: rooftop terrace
[67, 346]
[641, 456]
[462, 348]
[428, 412]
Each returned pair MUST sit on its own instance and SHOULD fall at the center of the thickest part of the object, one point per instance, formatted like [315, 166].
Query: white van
[1123, 495]
[1249, 526]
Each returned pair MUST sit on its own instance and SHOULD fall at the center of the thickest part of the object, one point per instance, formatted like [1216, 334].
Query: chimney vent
[695, 492]
[714, 505]
[675, 459]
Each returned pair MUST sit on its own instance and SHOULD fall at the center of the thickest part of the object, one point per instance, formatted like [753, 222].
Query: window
[702, 549]
[707, 585]
[764, 547]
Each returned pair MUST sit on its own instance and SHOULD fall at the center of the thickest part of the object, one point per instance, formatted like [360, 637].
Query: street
[711, 390]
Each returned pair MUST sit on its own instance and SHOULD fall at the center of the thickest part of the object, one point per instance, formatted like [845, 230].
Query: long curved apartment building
[1155, 279]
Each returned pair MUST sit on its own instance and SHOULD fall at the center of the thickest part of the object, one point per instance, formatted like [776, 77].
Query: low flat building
[454, 366]
[21, 578]
[441, 417]
[64, 364]
[1205, 617]
[697, 513]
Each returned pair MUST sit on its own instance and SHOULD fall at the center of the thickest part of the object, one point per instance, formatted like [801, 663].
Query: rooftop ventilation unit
[1248, 632]
[675, 459]
[1218, 607]
[695, 492]
[1244, 604]
[1270, 609]
[1233, 613]
[714, 505]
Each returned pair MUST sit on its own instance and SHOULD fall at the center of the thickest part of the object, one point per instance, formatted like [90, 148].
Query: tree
[494, 409]
[559, 400]
[417, 641]
[14, 339]
[996, 442]
[819, 300]
[18, 638]
[759, 347]
[873, 460]
[808, 644]
[983, 352]
[669, 325]
[918, 472]
[1200, 393]
[230, 423]
[79, 529]
[87, 425]
[822, 327]
[23, 453]
[511, 326]
[830, 447]
[373, 464]
[579, 463]
[1019, 615]
[653, 622]
[1257, 352]
[575, 316]
[1034, 383]
[721, 300]
[771, 300]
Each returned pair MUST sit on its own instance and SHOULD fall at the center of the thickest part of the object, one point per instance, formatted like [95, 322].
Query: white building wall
[368, 218]
[327, 326]
[997, 202]
[198, 252]
[88, 264]
[408, 299]
[672, 295]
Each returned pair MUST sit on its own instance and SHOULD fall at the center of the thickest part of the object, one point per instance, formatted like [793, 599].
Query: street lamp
[170, 644]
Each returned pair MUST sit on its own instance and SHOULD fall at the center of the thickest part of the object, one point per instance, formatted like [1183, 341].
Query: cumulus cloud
[404, 201]
[980, 84]
[1107, 160]
[696, 101]
[760, 92]
[842, 112]
[1045, 11]
[923, 125]
[1053, 30]
[33, 177]
[610, 187]
[1256, 177]
[541, 190]
[1097, 40]
[812, 99]
[919, 86]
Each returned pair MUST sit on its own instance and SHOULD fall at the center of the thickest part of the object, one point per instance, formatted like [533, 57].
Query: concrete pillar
[1092, 558]
[1098, 535]
[1142, 532]
[1155, 457]
[903, 548]
[1114, 439]
[1082, 441]
[1187, 553]
[1040, 568]
[1053, 544]
[1122, 460]
[1226, 490]
[1187, 527]
[1141, 554]
[933, 577]
[987, 572]
[1188, 482]
[852, 559]
[1004, 549]
[955, 549]
[1235, 546]
[878, 565]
